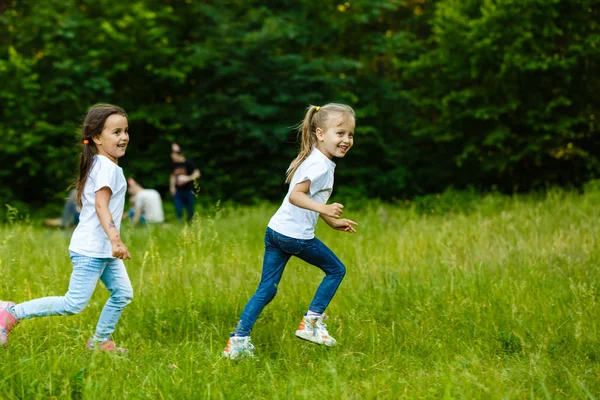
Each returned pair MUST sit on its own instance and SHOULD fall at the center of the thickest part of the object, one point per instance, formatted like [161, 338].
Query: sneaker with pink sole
[106, 345]
[7, 321]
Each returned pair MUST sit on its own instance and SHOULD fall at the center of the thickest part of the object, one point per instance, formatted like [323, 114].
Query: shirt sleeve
[317, 175]
[106, 176]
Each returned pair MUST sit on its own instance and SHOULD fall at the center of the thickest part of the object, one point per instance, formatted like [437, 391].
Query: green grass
[500, 300]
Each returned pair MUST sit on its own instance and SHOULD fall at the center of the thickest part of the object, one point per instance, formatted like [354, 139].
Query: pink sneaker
[107, 345]
[7, 321]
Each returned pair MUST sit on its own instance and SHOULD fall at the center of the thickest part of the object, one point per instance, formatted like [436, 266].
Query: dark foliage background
[489, 94]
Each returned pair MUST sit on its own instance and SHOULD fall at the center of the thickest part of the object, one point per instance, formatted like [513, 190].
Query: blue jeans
[278, 250]
[184, 199]
[86, 272]
[131, 214]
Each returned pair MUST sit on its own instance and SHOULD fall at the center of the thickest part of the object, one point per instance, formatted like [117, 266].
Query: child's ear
[319, 133]
[97, 140]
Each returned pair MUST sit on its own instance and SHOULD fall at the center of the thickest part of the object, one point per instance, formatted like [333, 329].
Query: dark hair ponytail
[93, 124]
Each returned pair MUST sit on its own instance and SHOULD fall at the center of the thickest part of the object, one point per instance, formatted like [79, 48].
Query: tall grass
[496, 300]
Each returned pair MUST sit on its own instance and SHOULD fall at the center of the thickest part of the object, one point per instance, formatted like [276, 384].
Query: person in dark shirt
[181, 183]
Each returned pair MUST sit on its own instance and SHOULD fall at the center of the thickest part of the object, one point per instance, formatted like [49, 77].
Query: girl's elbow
[293, 199]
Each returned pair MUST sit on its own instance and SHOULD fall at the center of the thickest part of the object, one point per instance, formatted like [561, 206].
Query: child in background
[147, 204]
[96, 248]
[327, 132]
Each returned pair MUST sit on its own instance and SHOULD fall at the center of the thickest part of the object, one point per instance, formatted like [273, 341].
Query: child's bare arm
[119, 249]
[342, 224]
[172, 180]
[299, 198]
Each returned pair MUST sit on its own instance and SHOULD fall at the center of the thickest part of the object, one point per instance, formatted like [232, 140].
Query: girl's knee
[127, 296]
[122, 296]
[267, 294]
[73, 306]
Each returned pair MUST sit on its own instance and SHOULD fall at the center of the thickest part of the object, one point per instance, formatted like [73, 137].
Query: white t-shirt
[296, 222]
[89, 238]
[151, 203]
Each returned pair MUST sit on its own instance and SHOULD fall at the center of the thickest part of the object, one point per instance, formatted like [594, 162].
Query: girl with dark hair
[326, 132]
[184, 174]
[96, 248]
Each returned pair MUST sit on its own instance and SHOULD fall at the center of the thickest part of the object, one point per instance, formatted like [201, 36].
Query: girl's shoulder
[104, 162]
[102, 165]
[310, 163]
[316, 160]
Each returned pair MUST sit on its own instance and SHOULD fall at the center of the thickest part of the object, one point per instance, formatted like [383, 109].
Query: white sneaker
[313, 329]
[239, 347]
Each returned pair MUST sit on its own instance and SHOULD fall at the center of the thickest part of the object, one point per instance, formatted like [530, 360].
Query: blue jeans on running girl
[86, 272]
[278, 250]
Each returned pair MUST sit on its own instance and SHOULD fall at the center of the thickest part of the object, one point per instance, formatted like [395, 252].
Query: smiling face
[337, 139]
[112, 141]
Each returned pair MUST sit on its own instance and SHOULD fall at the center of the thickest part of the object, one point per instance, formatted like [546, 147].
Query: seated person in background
[147, 204]
[70, 216]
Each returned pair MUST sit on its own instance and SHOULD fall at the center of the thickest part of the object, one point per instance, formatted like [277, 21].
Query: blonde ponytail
[308, 140]
[316, 117]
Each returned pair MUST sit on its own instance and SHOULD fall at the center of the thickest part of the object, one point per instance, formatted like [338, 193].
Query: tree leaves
[488, 93]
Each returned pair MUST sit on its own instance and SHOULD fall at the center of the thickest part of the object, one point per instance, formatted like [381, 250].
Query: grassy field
[499, 300]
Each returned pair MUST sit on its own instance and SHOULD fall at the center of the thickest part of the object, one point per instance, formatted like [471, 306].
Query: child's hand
[345, 225]
[119, 250]
[333, 210]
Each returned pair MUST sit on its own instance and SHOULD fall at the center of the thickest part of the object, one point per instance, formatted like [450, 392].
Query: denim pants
[184, 199]
[131, 214]
[278, 250]
[86, 272]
